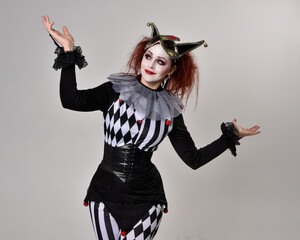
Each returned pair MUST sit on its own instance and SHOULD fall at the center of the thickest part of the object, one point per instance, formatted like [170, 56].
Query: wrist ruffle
[65, 59]
[231, 135]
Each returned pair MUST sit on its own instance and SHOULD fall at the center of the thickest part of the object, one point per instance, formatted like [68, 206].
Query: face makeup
[155, 66]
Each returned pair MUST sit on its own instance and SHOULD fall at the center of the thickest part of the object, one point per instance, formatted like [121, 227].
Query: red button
[123, 233]
[166, 210]
[168, 122]
[85, 204]
[120, 100]
[140, 121]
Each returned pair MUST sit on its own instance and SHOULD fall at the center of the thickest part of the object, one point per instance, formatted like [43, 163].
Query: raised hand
[243, 132]
[65, 39]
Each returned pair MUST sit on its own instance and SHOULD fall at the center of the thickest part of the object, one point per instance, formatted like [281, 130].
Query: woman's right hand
[65, 39]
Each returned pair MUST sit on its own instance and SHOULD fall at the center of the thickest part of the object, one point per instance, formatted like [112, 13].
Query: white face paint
[155, 66]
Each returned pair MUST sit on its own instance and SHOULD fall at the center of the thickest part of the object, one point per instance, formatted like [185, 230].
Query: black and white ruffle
[153, 104]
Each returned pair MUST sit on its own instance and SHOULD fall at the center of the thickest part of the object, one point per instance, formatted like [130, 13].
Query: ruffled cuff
[231, 135]
[65, 59]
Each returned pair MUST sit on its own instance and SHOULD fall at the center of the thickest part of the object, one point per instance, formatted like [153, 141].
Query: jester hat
[173, 49]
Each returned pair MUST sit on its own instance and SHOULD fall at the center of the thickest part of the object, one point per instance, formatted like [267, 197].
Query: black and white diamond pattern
[147, 227]
[121, 125]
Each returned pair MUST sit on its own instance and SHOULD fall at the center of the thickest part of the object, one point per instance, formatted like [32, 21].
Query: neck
[152, 85]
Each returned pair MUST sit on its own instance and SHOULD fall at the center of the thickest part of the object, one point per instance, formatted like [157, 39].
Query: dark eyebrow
[158, 57]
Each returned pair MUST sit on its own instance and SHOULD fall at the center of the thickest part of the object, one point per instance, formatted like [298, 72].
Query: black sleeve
[98, 98]
[185, 146]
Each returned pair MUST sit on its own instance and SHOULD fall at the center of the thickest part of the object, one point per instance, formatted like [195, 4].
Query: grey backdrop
[250, 71]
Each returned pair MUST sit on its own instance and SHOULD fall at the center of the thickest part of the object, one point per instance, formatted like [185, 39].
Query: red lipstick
[149, 72]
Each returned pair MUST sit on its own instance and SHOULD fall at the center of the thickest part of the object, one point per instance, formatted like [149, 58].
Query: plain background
[250, 71]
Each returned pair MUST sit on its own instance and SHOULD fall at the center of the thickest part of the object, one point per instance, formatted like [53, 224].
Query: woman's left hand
[243, 132]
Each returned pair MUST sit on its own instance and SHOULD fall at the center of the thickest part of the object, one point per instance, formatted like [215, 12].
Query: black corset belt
[126, 162]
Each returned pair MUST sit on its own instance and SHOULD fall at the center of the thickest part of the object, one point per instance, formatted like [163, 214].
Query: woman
[126, 196]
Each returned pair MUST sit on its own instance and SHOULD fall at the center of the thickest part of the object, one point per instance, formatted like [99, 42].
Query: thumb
[65, 30]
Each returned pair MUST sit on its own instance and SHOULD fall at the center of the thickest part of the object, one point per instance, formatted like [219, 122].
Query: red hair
[183, 79]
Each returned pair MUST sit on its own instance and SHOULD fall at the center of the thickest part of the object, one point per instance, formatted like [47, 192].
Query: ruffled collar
[154, 104]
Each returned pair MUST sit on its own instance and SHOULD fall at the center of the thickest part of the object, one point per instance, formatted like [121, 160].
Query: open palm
[243, 132]
[65, 39]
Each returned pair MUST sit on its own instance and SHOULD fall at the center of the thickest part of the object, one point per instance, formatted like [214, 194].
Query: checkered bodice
[123, 125]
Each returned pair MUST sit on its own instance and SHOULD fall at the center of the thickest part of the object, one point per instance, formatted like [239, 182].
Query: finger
[47, 19]
[47, 23]
[234, 123]
[44, 21]
[65, 30]
[50, 24]
[255, 133]
[254, 128]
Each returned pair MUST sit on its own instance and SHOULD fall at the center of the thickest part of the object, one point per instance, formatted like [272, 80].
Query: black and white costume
[136, 120]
